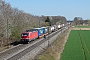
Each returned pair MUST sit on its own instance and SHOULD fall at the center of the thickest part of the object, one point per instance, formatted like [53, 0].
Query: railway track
[19, 51]
[15, 50]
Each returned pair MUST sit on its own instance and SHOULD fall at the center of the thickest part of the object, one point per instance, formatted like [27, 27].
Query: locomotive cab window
[25, 34]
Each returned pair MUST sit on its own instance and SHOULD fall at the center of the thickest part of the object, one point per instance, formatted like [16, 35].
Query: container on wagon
[55, 27]
[45, 30]
[58, 26]
[52, 29]
[63, 25]
[40, 32]
[48, 29]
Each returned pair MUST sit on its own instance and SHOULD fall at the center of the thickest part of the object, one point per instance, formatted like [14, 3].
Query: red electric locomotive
[29, 35]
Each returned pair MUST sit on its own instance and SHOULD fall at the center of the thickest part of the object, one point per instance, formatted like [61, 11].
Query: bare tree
[89, 22]
[14, 21]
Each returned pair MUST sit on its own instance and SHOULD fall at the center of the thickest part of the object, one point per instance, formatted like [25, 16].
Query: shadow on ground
[17, 43]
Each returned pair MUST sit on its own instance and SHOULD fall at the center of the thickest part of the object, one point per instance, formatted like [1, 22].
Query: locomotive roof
[31, 30]
[37, 28]
[26, 32]
[43, 27]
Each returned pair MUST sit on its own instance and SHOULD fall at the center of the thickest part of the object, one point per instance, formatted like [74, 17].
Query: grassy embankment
[53, 52]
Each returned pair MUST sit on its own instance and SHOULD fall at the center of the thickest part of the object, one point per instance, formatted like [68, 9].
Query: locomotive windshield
[25, 34]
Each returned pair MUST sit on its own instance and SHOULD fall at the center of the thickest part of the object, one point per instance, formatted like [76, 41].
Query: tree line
[14, 21]
[81, 21]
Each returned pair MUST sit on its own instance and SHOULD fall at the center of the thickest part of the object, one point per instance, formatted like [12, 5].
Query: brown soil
[80, 28]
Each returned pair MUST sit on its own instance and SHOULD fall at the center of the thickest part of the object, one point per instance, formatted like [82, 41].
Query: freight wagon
[61, 25]
[45, 31]
[40, 32]
[54, 27]
[58, 26]
[48, 29]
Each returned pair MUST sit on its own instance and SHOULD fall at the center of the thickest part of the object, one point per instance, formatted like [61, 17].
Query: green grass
[82, 26]
[86, 42]
[77, 46]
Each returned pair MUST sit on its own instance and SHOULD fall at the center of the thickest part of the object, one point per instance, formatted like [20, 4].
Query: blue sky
[67, 8]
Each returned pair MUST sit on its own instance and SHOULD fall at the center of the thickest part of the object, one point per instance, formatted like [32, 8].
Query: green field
[77, 46]
[82, 26]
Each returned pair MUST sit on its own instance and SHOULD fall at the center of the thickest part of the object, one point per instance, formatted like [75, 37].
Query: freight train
[36, 33]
